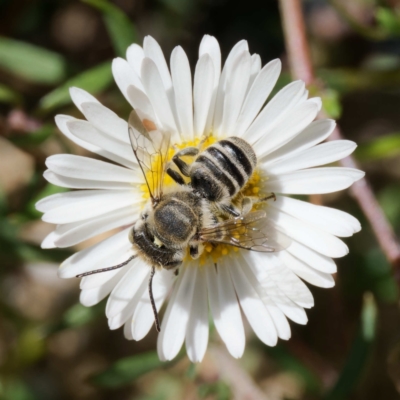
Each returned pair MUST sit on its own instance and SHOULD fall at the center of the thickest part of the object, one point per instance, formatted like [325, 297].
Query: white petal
[125, 76]
[62, 124]
[127, 287]
[86, 131]
[80, 205]
[106, 121]
[134, 56]
[197, 329]
[143, 318]
[328, 219]
[153, 84]
[128, 330]
[295, 121]
[255, 69]
[312, 258]
[153, 51]
[76, 232]
[202, 92]
[220, 99]
[182, 80]
[317, 101]
[237, 82]
[90, 297]
[209, 45]
[313, 181]
[254, 309]
[79, 167]
[141, 103]
[48, 241]
[174, 324]
[119, 319]
[75, 183]
[275, 288]
[281, 323]
[322, 154]
[80, 96]
[225, 309]
[286, 280]
[315, 238]
[258, 93]
[273, 112]
[315, 133]
[304, 271]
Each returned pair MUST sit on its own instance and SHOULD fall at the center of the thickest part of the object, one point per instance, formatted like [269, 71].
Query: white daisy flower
[267, 287]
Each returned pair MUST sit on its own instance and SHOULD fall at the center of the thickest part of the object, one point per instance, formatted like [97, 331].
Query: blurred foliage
[122, 32]
[51, 347]
[30, 62]
[359, 352]
[94, 81]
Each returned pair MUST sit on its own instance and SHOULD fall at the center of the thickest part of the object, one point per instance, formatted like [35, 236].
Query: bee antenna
[97, 271]
[153, 304]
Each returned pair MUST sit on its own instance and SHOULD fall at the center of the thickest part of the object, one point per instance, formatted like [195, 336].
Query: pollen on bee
[208, 247]
[149, 125]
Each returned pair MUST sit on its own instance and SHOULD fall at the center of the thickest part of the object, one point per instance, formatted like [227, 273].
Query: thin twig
[301, 68]
[242, 385]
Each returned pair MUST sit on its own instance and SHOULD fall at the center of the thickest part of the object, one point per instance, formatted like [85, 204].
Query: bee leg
[176, 273]
[271, 196]
[230, 209]
[153, 303]
[182, 165]
[175, 176]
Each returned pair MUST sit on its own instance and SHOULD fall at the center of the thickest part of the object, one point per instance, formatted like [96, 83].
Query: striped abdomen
[222, 170]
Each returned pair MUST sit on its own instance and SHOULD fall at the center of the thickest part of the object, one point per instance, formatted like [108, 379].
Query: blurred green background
[53, 348]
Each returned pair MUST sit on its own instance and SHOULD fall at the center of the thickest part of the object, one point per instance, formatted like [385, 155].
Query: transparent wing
[151, 152]
[252, 231]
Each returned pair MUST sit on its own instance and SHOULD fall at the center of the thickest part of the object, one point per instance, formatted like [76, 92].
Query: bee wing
[151, 152]
[252, 231]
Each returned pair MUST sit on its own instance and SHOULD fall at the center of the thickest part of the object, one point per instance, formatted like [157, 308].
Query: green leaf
[219, 390]
[331, 103]
[79, 315]
[382, 147]
[8, 95]
[94, 81]
[359, 352]
[388, 20]
[121, 30]
[16, 390]
[30, 62]
[126, 370]
[34, 138]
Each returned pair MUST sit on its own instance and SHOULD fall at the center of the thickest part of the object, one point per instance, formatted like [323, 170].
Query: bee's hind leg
[182, 165]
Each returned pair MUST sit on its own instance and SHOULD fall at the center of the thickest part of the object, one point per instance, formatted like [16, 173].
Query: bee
[201, 211]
